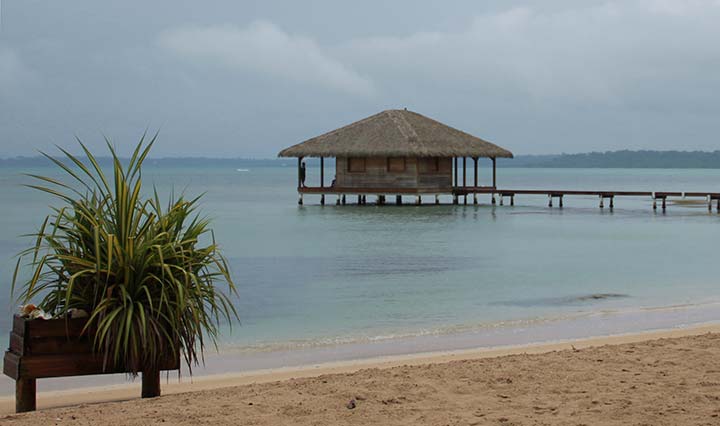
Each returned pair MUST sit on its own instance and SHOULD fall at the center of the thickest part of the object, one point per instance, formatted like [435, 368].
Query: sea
[333, 283]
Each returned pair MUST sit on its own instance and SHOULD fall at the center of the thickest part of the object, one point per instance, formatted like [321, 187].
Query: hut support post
[150, 384]
[437, 199]
[475, 181]
[322, 172]
[465, 179]
[25, 395]
[494, 162]
[322, 199]
[398, 200]
[455, 171]
[299, 166]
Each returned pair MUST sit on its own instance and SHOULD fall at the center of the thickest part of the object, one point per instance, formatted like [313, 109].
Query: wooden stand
[59, 348]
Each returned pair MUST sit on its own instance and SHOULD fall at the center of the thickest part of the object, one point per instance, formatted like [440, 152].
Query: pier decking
[499, 195]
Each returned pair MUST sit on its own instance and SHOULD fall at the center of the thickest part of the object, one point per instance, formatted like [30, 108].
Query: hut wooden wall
[376, 174]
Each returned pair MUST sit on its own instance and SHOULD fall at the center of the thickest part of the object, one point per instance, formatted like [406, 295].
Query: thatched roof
[400, 133]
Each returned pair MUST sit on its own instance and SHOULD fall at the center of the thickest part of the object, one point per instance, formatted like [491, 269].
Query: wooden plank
[63, 365]
[19, 325]
[17, 343]
[55, 327]
[55, 345]
[11, 365]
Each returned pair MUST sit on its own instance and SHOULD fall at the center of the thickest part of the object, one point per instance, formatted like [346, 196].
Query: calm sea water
[317, 276]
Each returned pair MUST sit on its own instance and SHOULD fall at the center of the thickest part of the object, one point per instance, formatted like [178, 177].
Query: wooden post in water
[398, 200]
[437, 199]
[322, 199]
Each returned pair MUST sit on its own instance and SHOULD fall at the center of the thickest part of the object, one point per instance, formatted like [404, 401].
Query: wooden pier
[659, 198]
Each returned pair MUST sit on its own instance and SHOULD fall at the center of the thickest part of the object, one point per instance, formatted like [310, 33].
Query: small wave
[243, 170]
[565, 300]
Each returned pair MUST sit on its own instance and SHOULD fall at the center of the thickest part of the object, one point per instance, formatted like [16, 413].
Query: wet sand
[649, 378]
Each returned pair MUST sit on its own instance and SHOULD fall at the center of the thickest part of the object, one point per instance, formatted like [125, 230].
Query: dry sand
[670, 381]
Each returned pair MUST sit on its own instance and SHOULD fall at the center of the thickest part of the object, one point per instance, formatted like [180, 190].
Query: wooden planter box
[55, 348]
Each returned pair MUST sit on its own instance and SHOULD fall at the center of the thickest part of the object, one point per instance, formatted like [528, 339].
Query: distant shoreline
[626, 159]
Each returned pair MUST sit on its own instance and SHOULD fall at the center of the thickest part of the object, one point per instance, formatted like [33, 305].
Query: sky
[248, 78]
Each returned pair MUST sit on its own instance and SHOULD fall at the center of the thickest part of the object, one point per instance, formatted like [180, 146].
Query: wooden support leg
[465, 199]
[455, 199]
[337, 202]
[512, 200]
[718, 205]
[343, 199]
[502, 199]
[612, 203]
[300, 200]
[398, 200]
[549, 200]
[25, 395]
[654, 204]
[418, 200]
[560, 201]
[664, 205]
[322, 199]
[475, 199]
[493, 199]
[150, 384]
[602, 202]
[437, 199]
[359, 199]
[709, 200]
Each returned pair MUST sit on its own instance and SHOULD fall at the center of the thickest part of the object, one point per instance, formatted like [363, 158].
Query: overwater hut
[397, 152]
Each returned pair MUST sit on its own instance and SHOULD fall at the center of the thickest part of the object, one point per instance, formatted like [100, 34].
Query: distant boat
[243, 170]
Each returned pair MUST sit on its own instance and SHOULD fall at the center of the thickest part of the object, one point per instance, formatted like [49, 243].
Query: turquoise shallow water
[315, 276]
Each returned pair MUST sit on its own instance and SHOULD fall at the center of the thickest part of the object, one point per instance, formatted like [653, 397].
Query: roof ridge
[405, 128]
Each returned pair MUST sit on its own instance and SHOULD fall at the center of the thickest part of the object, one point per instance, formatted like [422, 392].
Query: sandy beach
[668, 377]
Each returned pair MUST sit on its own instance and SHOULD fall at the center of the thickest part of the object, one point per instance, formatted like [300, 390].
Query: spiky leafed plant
[146, 274]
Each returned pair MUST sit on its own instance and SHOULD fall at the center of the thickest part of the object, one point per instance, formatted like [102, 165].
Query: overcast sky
[247, 78]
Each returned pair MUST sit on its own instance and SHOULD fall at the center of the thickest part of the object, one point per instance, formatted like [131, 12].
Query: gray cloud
[263, 47]
[11, 69]
[249, 78]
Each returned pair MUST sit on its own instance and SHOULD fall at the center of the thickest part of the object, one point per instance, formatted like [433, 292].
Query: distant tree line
[622, 159]
[609, 159]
